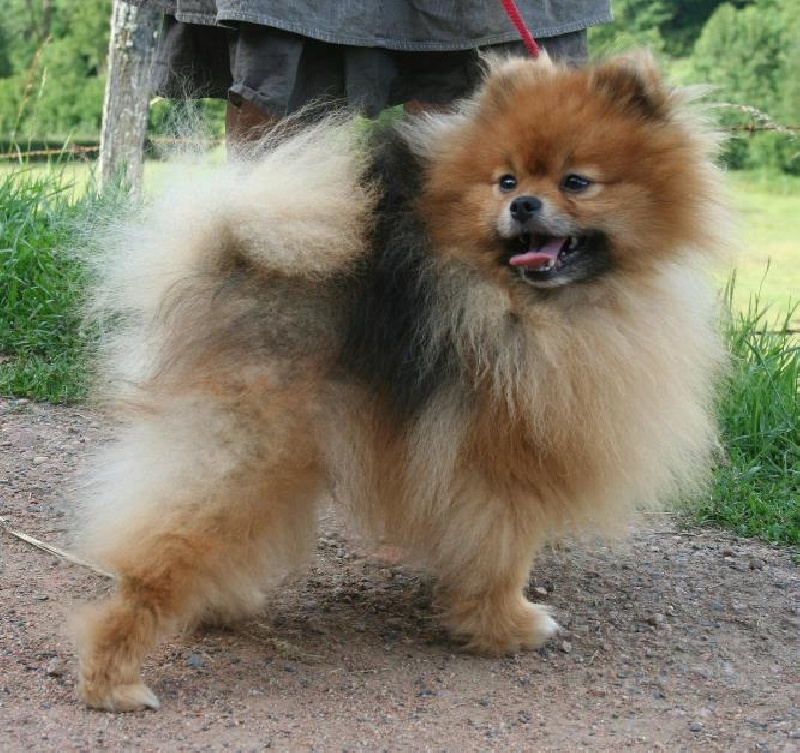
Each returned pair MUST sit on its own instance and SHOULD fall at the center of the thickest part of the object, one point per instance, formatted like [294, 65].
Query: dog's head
[559, 175]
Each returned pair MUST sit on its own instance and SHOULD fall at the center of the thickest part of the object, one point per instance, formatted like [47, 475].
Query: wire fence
[83, 151]
[67, 149]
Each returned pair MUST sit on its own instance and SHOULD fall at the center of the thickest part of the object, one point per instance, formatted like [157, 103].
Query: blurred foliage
[751, 56]
[636, 23]
[53, 66]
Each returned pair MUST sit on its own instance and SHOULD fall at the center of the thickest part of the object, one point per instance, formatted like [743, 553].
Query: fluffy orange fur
[583, 402]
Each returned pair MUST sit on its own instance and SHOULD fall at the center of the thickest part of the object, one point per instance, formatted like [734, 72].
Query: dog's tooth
[573, 242]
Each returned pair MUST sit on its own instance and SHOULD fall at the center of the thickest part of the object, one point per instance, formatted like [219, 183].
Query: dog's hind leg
[200, 544]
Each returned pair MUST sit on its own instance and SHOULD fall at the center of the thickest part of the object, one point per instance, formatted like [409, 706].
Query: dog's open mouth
[546, 253]
[549, 260]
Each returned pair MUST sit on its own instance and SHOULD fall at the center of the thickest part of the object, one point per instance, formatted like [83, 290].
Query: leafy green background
[53, 64]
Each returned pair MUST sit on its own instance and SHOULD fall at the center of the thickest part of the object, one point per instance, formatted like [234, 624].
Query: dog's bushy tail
[296, 207]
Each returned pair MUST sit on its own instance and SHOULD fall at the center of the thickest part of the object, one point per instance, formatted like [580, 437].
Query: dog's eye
[575, 183]
[507, 183]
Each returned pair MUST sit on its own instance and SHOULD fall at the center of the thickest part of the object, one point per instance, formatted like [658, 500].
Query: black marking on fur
[388, 343]
[629, 88]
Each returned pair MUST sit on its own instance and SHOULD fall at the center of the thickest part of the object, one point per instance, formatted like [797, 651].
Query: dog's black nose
[524, 207]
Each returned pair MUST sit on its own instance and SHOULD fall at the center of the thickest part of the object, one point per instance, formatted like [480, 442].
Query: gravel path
[673, 640]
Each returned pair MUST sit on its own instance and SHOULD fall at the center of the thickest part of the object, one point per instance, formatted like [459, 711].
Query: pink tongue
[540, 256]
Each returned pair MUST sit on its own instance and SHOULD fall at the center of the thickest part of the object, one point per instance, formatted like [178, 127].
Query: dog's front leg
[484, 554]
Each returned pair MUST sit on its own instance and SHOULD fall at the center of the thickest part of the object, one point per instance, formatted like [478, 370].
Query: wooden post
[131, 52]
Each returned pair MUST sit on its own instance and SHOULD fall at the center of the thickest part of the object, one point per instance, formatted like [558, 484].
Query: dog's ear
[633, 83]
[505, 76]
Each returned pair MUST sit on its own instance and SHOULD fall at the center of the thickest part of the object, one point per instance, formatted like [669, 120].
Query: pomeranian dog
[475, 330]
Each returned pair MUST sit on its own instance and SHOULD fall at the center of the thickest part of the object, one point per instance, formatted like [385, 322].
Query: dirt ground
[673, 640]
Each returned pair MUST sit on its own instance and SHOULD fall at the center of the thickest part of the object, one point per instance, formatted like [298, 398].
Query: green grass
[757, 486]
[73, 177]
[767, 261]
[42, 344]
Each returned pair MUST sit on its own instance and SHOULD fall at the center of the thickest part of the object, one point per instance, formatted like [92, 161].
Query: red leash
[514, 14]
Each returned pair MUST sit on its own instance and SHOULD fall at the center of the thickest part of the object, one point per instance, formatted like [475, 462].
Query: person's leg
[263, 65]
[191, 61]
[245, 122]
[276, 73]
[572, 48]
[432, 81]
[369, 75]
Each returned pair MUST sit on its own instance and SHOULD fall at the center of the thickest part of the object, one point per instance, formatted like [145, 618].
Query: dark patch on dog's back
[388, 342]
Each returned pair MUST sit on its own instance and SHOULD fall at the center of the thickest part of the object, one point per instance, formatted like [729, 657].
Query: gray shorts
[281, 72]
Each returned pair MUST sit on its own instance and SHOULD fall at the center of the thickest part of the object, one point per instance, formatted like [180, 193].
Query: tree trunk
[131, 52]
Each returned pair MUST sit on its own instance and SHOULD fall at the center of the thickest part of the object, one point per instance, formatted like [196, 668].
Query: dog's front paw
[504, 628]
[123, 697]
[541, 626]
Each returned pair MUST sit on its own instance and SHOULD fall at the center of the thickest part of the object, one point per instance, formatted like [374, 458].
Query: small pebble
[54, 668]
[196, 661]
[695, 727]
